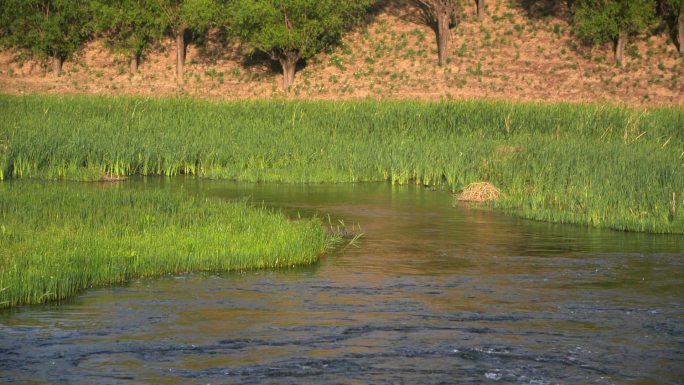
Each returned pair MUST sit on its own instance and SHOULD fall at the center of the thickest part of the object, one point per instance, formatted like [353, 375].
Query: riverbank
[598, 165]
[59, 239]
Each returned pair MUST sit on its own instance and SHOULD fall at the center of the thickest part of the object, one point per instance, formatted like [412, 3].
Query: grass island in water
[58, 239]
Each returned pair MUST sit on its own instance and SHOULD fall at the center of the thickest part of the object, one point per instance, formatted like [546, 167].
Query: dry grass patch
[109, 177]
[480, 192]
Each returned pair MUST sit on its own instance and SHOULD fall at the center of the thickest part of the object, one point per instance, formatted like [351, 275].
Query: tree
[186, 18]
[673, 13]
[480, 9]
[293, 30]
[602, 21]
[52, 29]
[129, 26]
[442, 14]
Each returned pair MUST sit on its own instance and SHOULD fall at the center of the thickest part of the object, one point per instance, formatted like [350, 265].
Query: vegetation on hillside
[46, 29]
[129, 27]
[291, 31]
[615, 21]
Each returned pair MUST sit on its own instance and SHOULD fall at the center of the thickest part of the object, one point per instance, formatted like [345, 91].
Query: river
[432, 293]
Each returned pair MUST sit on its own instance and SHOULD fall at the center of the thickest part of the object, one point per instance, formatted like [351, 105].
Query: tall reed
[607, 166]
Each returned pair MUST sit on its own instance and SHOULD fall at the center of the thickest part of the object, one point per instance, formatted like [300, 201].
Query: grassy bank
[57, 240]
[599, 165]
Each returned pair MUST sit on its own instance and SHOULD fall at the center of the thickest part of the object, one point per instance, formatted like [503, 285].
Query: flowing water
[433, 293]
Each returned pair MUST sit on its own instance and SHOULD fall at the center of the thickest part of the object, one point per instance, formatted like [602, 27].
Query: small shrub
[633, 52]
[338, 62]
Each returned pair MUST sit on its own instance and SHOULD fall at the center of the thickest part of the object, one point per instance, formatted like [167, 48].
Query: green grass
[599, 165]
[59, 239]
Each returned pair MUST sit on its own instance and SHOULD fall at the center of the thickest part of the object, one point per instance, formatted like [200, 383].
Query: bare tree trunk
[680, 29]
[443, 18]
[181, 47]
[480, 9]
[620, 47]
[288, 62]
[57, 63]
[134, 63]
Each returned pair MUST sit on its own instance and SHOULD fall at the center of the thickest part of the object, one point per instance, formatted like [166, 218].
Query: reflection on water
[433, 294]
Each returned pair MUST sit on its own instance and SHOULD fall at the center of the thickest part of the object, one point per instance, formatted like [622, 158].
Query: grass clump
[479, 192]
[59, 239]
[605, 166]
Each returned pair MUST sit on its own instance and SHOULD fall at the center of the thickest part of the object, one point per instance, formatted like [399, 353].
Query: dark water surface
[433, 294]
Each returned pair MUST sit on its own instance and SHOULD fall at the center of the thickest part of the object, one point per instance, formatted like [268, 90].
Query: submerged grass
[607, 166]
[58, 239]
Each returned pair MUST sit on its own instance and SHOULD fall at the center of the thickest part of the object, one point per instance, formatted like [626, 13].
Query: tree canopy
[672, 12]
[129, 26]
[46, 28]
[293, 30]
[602, 21]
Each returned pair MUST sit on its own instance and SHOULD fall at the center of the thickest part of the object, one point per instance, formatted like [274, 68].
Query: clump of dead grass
[480, 192]
[109, 177]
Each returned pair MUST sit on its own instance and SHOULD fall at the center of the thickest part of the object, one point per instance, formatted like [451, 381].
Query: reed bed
[606, 166]
[58, 239]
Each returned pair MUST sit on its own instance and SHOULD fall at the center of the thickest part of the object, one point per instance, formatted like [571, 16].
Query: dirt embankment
[512, 55]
